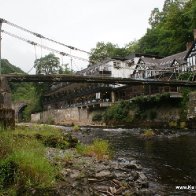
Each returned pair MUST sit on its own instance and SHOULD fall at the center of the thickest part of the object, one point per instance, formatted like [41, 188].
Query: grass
[44, 130]
[76, 128]
[48, 135]
[100, 149]
[148, 133]
[173, 124]
[23, 164]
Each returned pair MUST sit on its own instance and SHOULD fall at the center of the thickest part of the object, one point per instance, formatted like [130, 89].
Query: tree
[106, 50]
[64, 69]
[101, 52]
[155, 17]
[166, 5]
[131, 47]
[49, 64]
[171, 28]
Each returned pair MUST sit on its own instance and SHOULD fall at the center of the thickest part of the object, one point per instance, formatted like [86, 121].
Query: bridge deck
[93, 79]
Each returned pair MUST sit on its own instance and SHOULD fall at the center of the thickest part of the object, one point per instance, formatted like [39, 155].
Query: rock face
[88, 176]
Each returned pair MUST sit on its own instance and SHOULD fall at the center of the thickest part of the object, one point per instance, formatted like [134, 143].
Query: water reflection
[169, 161]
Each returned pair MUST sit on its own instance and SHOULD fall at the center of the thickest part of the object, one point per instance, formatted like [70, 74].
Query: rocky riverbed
[83, 175]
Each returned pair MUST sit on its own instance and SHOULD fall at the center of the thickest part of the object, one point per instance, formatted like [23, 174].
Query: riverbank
[45, 161]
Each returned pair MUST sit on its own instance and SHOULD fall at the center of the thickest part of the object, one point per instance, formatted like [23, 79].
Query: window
[116, 64]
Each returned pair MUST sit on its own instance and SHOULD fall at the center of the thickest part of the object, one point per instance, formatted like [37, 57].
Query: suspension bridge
[77, 78]
[5, 101]
[98, 79]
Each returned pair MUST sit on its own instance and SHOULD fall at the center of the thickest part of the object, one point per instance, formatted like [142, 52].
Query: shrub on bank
[148, 133]
[76, 128]
[97, 117]
[99, 149]
[118, 113]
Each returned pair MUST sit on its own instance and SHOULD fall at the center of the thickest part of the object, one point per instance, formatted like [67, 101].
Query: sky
[79, 23]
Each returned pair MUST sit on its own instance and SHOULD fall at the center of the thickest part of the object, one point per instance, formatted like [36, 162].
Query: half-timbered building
[137, 66]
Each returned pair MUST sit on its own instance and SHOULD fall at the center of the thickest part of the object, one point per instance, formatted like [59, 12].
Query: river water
[168, 161]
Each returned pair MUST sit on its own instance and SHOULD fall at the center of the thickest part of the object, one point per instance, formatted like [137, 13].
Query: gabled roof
[90, 67]
[133, 55]
[149, 61]
[179, 57]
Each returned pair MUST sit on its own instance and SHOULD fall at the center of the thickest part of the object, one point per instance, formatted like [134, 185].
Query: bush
[173, 124]
[76, 128]
[118, 112]
[55, 141]
[183, 125]
[8, 169]
[97, 117]
[148, 133]
[99, 149]
[152, 115]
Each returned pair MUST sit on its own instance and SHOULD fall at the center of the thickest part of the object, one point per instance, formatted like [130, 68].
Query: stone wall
[7, 115]
[5, 94]
[192, 105]
[7, 118]
[78, 116]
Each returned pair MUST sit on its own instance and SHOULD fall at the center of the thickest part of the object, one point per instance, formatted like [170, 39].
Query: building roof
[154, 61]
[179, 57]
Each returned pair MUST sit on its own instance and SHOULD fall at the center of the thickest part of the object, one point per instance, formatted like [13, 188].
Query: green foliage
[22, 92]
[106, 50]
[153, 115]
[8, 68]
[173, 124]
[171, 28]
[49, 136]
[26, 93]
[76, 128]
[186, 76]
[99, 149]
[148, 133]
[155, 17]
[33, 130]
[47, 65]
[118, 112]
[144, 102]
[184, 103]
[182, 125]
[97, 117]
[23, 164]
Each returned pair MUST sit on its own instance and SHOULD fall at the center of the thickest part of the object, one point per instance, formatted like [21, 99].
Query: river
[168, 161]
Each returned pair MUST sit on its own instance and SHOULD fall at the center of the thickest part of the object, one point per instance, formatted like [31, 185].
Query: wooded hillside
[170, 29]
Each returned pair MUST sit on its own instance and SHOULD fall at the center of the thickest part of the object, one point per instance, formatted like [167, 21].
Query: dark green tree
[49, 64]
[155, 17]
[170, 29]
[106, 50]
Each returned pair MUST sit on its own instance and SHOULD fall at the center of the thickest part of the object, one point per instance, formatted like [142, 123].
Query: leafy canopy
[170, 29]
[48, 64]
[109, 50]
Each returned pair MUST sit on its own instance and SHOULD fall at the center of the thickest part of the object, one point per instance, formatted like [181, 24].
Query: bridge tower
[7, 114]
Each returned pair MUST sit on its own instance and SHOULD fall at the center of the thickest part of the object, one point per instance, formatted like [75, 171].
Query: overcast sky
[79, 23]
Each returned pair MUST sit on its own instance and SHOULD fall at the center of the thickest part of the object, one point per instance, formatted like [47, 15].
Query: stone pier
[7, 114]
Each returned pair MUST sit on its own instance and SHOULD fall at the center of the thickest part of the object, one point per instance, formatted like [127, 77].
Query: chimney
[189, 45]
[194, 34]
